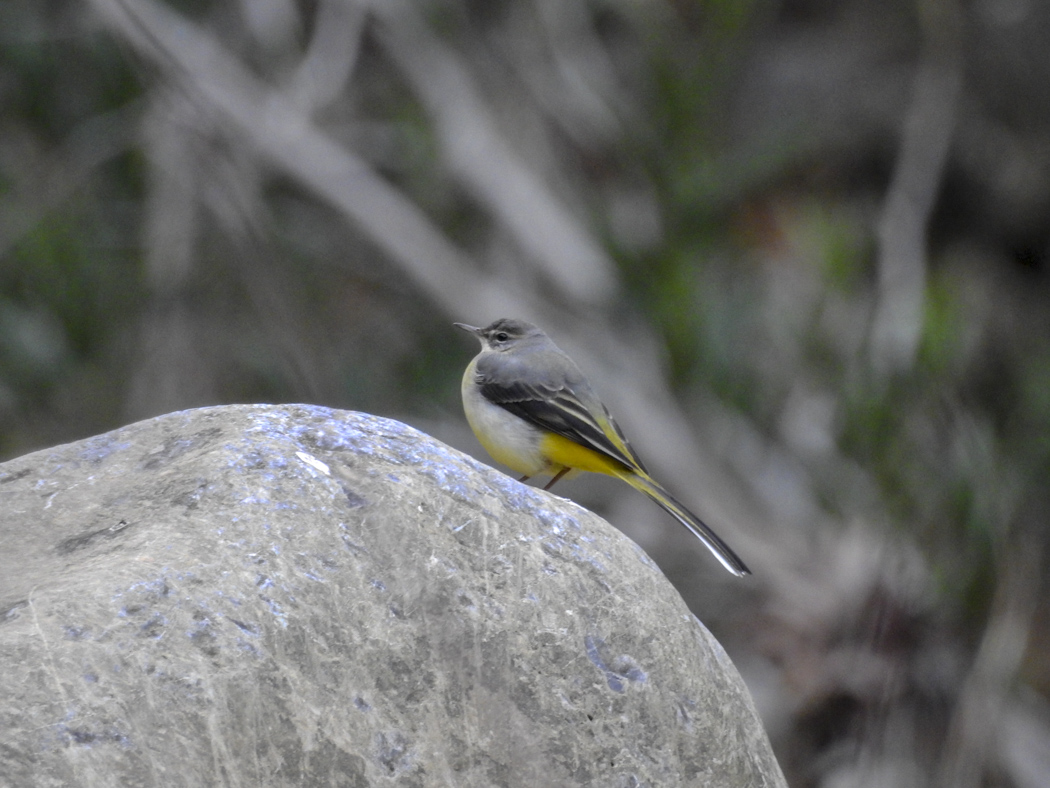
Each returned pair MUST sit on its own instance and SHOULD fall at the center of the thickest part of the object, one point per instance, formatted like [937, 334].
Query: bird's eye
[502, 336]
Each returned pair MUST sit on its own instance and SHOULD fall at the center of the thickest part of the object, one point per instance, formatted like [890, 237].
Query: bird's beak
[469, 329]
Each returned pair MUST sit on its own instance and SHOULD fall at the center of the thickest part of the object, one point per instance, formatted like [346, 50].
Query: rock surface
[297, 596]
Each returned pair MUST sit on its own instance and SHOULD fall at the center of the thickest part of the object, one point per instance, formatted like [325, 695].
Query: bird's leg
[557, 476]
[524, 478]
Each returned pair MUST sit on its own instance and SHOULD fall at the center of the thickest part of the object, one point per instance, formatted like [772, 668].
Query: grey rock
[293, 595]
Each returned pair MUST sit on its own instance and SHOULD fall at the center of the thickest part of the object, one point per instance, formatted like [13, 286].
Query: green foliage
[61, 268]
[63, 81]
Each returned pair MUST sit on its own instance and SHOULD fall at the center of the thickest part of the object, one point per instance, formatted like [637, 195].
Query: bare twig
[331, 56]
[981, 702]
[925, 142]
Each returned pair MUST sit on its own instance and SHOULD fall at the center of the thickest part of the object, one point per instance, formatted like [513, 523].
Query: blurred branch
[1024, 740]
[272, 23]
[172, 224]
[278, 129]
[331, 55]
[925, 141]
[188, 173]
[568, 72]
[477, 152]
[981, 702]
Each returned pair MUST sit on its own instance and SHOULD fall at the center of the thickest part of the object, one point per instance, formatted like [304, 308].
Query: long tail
[666, 501]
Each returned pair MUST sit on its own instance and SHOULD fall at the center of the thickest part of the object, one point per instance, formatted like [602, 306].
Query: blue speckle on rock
[277, 610]
[621, 667]
[248, 629]
[97, 449]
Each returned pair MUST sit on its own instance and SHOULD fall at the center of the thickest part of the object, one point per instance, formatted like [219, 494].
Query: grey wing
[555, 407]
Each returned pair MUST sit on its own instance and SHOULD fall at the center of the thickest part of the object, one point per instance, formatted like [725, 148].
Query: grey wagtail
[534, 411]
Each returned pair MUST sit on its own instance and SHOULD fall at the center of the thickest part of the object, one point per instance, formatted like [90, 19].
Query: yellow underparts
[560, 452]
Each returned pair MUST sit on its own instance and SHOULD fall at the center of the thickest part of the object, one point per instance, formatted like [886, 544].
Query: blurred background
[802, 249]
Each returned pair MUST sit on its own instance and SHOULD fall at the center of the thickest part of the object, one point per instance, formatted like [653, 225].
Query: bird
[533, 410]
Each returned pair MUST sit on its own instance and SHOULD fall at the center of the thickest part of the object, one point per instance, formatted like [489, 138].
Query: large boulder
[297, 596]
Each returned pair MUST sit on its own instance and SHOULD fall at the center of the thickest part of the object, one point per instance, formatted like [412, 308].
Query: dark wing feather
[559, 410]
